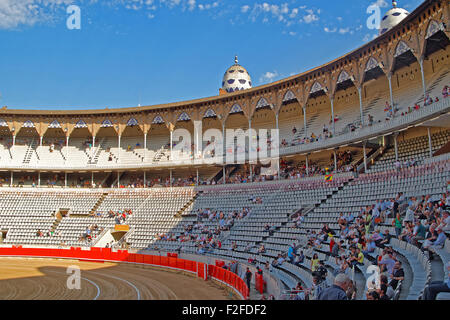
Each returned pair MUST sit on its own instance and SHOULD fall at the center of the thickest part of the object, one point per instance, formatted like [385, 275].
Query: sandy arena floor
[46, 279]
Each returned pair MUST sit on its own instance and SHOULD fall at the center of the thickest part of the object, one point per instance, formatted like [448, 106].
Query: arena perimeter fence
[171, 261]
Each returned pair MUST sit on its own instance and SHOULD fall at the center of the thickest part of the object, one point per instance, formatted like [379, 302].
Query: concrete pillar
[39, 179]
[14, 140]
[307, 165]
[304, 121]
[118, 146]
[67, 148]
[430, 143]
[93, 146]
[118, 179]
[92, 178]
[335, 161]
[171, 143]
[171, 178]
[223, 175]
[40, 140]
[396, 146]
[423, 77]
[361, 106]
[389, 76]
[365, 156]
[145, 179]
[224, 147]
[65, 179]
[145, 148]
[332, 116]
[197, 178]
[12, 179]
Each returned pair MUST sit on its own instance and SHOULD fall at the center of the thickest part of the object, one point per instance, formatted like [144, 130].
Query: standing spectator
[248, 277]
[397, 223]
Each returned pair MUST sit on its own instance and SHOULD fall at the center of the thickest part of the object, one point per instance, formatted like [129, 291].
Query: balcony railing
[378, 129]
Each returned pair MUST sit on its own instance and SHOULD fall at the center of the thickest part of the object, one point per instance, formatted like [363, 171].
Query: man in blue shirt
[436, 287]
[338, 290]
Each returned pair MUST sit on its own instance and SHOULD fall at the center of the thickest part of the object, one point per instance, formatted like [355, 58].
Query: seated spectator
[338, 291]
[436, 287]
[398, 274]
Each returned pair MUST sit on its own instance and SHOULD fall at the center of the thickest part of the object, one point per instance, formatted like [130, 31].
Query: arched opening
[106, 148]
[290, 120]
[26, 141]
[6, 142]
[346, 104]
[210, 125]
[318, 113]
[132, 143]
[183, 138]
[158, 141]
[53, 142]
[80, 145]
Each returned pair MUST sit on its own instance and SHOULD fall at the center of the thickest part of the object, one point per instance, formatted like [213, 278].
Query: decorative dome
[392, 18]
[236, 78]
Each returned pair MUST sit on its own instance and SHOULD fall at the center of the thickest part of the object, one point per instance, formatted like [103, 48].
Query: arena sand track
[46, 279]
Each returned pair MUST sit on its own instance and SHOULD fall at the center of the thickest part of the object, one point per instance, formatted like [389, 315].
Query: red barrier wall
[106, 254]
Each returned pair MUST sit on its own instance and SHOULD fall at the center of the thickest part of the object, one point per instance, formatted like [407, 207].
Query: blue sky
[147, 52]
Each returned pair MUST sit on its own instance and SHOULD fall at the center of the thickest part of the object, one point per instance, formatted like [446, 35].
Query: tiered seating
[23, 213]
[416, 149]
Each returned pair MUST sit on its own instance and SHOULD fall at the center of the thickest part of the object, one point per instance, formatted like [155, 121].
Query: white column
[197, 178]
[145, 179]
[39, 179]
[361, 106]
[14, 140]
[430, 144]
[304, 121]
[65, 179]
[332, 116]
[423, 78]
[365, 156]
[145, 147]
[396, 146]
[40, 143]
[389, 76]
[335, 161]
[67, 148]
[92, 178]
[307, 165]
[249, 145]
[276, 120]
[118, 146]
[12, 179]
[224, 148]
[118, 179]
[93, 146]
[171, 178]
[223, 174]
[171, 143]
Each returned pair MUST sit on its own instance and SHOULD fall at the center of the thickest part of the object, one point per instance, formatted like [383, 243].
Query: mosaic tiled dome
[392, 18]
[236, 78]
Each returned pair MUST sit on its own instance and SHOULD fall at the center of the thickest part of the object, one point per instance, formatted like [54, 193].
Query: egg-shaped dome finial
[236, 78]
[393, 17]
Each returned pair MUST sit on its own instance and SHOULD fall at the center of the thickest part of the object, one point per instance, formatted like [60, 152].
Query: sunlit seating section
[416, 149]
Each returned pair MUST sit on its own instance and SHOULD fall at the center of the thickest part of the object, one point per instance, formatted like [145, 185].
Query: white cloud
[268, 76]
[14, 13]
[310, 17]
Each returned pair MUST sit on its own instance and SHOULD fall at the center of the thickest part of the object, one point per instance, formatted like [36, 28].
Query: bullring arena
[46, 279]
[153, 202]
